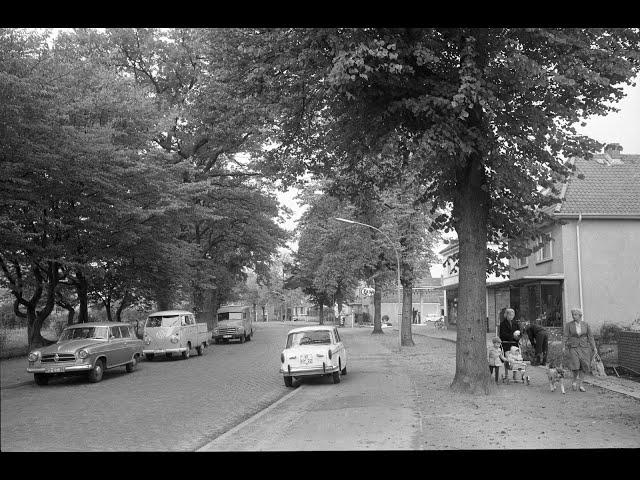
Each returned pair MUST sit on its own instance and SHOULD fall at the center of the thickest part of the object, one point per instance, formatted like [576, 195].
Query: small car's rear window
[311, 337]
[160, 321]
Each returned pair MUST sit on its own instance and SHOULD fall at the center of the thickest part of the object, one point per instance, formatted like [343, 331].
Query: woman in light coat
[579, 346]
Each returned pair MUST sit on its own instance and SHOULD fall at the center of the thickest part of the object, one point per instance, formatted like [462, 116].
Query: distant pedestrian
[496, 357]
[539, 339]
[580, 347]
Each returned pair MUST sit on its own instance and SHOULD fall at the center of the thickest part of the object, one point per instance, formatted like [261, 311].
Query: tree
[483, 116]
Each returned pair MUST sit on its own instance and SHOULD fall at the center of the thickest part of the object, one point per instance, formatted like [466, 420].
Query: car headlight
[33, 356]
[174, 339]
[83, 354]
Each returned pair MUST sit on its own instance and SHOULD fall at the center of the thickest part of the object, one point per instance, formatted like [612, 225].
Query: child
[496, 357]
[516, 363]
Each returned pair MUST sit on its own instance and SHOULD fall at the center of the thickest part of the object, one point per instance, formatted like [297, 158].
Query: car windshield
[311, 337]
[83, 332]
[229, 316]
[166, 321]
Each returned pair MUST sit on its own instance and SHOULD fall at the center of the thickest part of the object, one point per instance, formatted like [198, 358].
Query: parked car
[87, 349]
[234, 323]
[313, 351]
[174, 331]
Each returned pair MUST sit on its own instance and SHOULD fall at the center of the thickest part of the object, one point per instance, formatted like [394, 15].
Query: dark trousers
[496, 369]
[541, 345]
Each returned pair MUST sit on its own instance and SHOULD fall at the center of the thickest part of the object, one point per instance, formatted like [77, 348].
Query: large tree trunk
[321, 320]
[471, 211]
[377, 304]
[124, 303]
[406, 338]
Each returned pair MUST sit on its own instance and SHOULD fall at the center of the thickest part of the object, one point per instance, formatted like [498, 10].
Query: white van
[173, 331]
[234, 323]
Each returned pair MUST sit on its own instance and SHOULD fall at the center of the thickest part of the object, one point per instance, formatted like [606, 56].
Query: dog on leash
[555, 374]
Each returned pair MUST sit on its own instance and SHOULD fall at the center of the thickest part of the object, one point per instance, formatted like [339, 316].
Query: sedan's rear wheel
[41, 378]
[149, 356]
[344, 371]
[95, 375]
[288, 381]
[131, 366]
[336, 377]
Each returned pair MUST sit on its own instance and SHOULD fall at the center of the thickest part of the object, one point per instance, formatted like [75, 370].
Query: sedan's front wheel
[95, 375]
[149, 356]
[131, 366]
[41, 378]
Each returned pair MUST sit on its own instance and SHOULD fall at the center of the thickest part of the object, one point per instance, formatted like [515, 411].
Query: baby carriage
[514, 363]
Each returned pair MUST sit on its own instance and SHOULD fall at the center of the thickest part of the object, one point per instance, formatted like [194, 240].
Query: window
[124, 331]
[546, 252]
[522, 262]
[115, 332]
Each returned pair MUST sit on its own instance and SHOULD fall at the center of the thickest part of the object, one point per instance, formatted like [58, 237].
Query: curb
[250, 419]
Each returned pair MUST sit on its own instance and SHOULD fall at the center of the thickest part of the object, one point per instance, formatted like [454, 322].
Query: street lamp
[399, 304]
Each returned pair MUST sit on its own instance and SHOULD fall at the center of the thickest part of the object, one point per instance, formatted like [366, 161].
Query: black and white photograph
[320, 239]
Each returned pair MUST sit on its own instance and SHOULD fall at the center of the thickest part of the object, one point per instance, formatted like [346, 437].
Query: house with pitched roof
[592, 260]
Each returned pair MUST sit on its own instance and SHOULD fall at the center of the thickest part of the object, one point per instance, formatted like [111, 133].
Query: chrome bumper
[65, 368]
[308, 371]
[165, 350]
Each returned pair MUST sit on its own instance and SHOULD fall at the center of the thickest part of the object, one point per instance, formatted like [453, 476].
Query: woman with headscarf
[579, 346]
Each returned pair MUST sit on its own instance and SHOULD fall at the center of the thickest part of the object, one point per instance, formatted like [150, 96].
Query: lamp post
[399, 304]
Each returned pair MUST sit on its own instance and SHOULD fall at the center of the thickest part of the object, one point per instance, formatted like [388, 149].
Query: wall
[610, 270]
[555, 265]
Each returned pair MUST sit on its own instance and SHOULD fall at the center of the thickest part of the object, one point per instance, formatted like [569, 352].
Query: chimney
[613, 150]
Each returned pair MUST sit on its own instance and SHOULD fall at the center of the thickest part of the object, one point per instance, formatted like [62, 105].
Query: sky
[621, 127]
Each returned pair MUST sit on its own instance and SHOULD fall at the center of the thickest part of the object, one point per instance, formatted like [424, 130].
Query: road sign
[367, 292]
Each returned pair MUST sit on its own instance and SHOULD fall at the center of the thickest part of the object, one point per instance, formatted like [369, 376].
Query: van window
[159, 321]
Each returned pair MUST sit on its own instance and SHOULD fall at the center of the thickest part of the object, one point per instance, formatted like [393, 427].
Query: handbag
[597, 367]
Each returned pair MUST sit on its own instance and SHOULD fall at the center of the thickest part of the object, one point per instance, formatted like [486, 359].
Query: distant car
[313, 351]
[87, 349]
[234, 323]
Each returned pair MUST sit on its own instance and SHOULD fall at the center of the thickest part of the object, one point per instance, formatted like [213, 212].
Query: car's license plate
[227, 336]
[306, 359]
[54, 369]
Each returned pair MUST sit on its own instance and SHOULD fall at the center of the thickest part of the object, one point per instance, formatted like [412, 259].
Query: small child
[516, 363]
[496, 357]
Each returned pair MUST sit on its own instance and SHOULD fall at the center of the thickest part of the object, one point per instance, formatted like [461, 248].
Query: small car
[313, 351]
[87, 349]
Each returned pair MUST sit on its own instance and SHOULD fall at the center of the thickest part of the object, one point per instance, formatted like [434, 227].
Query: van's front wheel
[200, 350]
[187, 353]
[242, 338]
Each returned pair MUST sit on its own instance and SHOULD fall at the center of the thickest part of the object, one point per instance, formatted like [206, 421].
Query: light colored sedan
[313, 351]
[87, 349]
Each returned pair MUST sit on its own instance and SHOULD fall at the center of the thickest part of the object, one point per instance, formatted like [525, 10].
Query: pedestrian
[496, 357]
[539, 339]
[580, 347]
[508, 327]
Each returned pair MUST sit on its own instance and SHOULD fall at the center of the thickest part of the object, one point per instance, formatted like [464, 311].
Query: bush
[609, 333]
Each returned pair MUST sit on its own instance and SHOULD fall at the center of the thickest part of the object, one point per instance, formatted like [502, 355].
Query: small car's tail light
[282, 357]
[33, 356]
[83, 354]
[330, 354]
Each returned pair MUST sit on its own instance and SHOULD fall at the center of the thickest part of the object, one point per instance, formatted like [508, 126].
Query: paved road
[166, 404]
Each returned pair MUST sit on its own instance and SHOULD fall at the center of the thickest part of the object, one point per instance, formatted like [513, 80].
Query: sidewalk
[614, 384]
[393, 400]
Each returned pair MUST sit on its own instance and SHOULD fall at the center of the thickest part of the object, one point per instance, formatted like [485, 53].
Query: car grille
[227, 331]
[62, 357]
